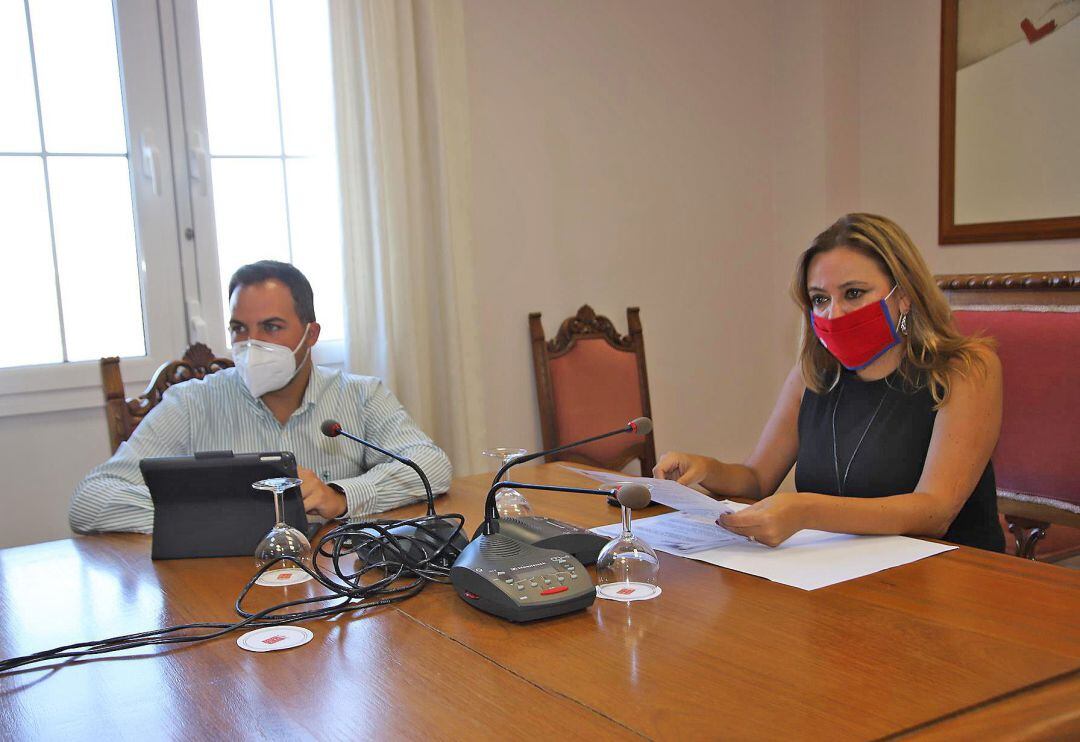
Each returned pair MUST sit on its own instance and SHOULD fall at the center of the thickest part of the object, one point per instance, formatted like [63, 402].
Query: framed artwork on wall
[1009, 157]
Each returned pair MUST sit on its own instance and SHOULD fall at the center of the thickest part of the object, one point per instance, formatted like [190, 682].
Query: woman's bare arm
[766, 467]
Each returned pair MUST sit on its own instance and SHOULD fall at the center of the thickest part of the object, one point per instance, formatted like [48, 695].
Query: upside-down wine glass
[509, 502]
[283, 540]
[627, 567]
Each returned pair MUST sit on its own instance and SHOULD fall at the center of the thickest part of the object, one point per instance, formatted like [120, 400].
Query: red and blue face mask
[859, 338]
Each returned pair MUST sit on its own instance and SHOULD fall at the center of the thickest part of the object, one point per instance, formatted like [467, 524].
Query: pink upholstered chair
[590, 380]
[1035, 319]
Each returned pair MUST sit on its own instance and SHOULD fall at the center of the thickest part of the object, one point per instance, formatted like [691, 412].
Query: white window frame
[205, 311]
[75, 385]
[165, 116]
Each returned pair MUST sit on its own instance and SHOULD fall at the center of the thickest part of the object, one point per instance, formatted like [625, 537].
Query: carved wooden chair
[1035, 318]
[123, 414]
[589, 380]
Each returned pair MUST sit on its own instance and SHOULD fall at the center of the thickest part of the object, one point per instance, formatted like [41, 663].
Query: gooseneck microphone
[639, 425]
[415, 542]
[630, 494]
[332, 429]
[520, 579]
[545, 532]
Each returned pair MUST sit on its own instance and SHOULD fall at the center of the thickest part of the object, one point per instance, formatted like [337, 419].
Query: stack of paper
[808, 560]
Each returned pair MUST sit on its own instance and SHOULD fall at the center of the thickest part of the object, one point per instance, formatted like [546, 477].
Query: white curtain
[403, 149]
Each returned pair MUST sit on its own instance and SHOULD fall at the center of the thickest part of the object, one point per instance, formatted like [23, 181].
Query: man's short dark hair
[266, 270]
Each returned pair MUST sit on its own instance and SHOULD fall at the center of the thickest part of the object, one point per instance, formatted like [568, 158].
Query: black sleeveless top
[889, 460]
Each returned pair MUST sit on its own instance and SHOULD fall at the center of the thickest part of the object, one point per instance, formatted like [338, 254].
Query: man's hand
[770, 521]
[319, 497]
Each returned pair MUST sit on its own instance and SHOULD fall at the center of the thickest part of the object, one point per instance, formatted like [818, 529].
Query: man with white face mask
[274, 400]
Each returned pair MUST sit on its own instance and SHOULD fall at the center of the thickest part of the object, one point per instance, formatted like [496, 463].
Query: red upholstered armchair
[1035, 319]
[590, 380]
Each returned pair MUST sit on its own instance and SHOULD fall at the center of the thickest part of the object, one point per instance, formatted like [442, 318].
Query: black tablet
[204, 505]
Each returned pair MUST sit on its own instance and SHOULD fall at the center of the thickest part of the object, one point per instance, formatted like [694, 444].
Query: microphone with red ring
[638, 426]
[548, 532]
[416, 541]
[332, 429]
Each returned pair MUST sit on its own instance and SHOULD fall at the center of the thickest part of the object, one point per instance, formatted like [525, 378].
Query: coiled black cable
[393, 564]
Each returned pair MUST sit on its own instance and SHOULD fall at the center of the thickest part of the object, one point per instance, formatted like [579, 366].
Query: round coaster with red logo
[273, 638]
[282, 577]
[627, 591]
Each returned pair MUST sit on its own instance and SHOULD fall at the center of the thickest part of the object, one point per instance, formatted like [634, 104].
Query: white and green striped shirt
[218, 413]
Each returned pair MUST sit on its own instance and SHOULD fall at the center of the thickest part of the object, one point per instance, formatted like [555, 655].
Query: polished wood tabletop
[965, 641]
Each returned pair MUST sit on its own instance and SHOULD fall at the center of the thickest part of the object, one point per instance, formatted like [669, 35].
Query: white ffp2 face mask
[267, 367]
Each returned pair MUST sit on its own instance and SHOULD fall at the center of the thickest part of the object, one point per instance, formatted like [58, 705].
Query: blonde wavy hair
[934, 348]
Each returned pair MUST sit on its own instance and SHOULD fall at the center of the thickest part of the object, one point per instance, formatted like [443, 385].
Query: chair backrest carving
[590, 379]
[123, 414]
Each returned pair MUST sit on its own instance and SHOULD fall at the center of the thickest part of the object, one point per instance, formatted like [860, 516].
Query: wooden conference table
[962, 644]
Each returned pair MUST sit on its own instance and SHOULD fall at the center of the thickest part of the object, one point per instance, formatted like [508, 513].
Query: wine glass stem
[279, 496]
[626, 520]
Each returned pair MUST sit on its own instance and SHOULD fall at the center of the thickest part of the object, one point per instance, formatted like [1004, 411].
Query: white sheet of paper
[680, 533]
[664, 491]
[808, 560]
[818, 563]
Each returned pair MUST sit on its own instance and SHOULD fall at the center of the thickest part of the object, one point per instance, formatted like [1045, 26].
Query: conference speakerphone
[547, 533]
[520, 582]
[506, 572]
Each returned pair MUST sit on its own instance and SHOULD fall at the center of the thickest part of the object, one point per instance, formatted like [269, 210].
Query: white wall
[898, 141]
[623, 155]
[676, 156]
[43, 457]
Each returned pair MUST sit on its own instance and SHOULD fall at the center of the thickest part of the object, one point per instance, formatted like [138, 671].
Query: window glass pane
[238, 77]
[249, 208]
[78, 75]
[316, 237]
[19, 123]
[252, 50]
[32, 329]
[96, 256]
[302, 30]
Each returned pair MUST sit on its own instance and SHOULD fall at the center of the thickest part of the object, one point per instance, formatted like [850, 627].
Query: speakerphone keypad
[549, 583]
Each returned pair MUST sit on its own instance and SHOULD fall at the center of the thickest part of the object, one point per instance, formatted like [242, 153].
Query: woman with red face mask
[889, 416]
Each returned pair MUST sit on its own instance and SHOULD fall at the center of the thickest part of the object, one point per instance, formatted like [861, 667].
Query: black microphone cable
[396, 560]
[405, 565]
